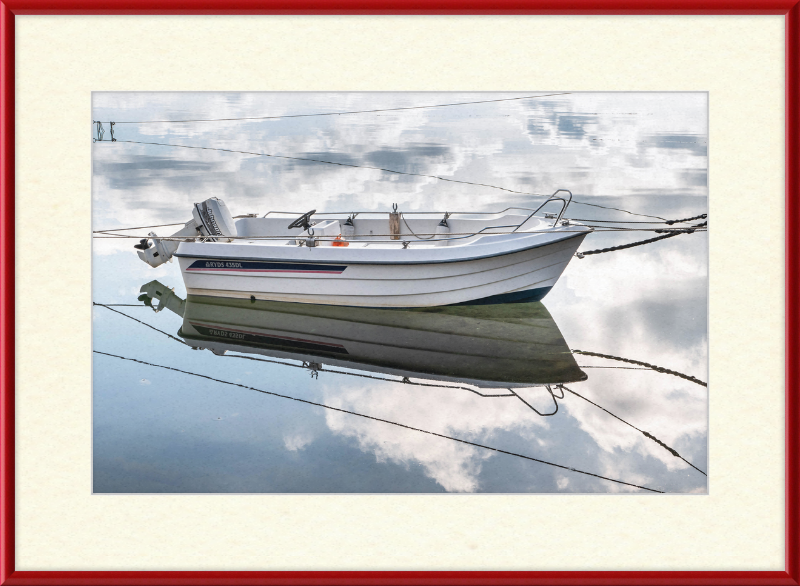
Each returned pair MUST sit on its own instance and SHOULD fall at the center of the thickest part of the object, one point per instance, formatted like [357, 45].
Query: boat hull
[507, 276]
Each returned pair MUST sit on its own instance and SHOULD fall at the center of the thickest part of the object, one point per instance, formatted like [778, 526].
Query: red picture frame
[791, 11]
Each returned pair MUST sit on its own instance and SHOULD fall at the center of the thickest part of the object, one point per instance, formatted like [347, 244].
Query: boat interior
[389, 230]
[394, 229]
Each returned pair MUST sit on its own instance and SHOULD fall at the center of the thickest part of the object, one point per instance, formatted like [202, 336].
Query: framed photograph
[393, 303]
[278, 309]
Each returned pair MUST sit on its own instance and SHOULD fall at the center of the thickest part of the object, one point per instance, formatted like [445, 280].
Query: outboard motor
[166, 297]
[211, 221]
[160, 251]
[214, 220]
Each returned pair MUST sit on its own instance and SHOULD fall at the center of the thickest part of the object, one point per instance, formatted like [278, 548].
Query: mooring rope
[614, 367]
[420, 235]
[450, 235]
[700, 217]
[645, 364]
[403, 380]
[406, 380]
[670, 222]
[140, 227]
[141, 322]
[646, 434]
[401, 425]
[343, 113]
[352, 165]
[183, 146]
[670, 234]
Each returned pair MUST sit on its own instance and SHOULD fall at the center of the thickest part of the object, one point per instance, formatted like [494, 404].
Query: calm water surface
[459, 399]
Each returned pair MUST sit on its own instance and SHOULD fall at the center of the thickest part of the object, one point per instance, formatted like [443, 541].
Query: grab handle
[564, 205]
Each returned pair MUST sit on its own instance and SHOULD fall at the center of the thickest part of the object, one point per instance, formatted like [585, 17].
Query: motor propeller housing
[210, 220]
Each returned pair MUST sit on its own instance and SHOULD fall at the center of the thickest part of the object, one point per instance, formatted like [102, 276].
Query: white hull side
[392, 284]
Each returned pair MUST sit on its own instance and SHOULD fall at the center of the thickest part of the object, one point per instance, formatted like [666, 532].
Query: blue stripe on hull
[244, 266]
[527, 296]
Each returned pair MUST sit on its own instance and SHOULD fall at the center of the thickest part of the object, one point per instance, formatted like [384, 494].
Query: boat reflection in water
[511, 346]
[426, 373]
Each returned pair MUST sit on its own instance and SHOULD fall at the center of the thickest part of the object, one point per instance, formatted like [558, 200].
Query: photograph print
[394, 292]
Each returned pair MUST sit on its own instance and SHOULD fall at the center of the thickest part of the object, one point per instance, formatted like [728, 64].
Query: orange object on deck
[339, 242]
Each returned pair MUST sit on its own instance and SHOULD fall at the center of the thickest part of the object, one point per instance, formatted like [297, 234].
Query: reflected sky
[160, 430]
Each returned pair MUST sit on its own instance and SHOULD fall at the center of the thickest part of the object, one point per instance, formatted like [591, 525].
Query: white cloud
[297, 442]
[486, 143]
[455, 413]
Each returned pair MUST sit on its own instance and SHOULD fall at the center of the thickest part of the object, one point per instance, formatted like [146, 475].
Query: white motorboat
[489, 347]
[370, 259]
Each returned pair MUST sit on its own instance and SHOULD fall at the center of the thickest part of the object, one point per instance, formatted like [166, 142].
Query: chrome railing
[564, 204]
[473, 213]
